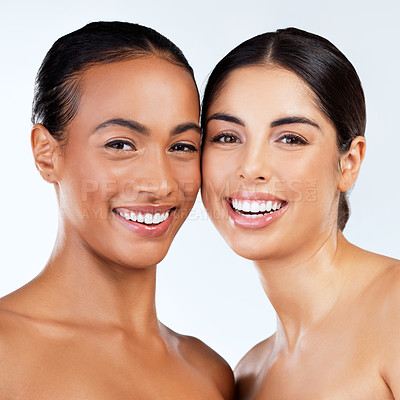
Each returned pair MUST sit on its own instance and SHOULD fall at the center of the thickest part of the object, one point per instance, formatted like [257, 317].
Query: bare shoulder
[386, 321]
[11, 323]
[17, 327]
[252, 364]
[206, 360]
[379, 278]
[386, 287]
[381, 299]
[388, 290]
[14, 333]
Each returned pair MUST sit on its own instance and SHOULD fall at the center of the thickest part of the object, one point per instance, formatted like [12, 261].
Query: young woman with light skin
[284, 119]
[116, 132]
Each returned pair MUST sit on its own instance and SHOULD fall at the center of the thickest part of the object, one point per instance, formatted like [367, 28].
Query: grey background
[204, 289]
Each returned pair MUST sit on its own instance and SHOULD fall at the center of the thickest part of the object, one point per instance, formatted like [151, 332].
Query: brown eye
[225, 138]
[183, 147]
[122, 145]
[292, 139]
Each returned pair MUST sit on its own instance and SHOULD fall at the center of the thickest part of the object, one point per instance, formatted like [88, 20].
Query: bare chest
[316, 386]
[83, 372]
[329, 374]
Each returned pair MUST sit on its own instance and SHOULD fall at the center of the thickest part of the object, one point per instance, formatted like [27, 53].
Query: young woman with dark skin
[116, 132]
[284, 119]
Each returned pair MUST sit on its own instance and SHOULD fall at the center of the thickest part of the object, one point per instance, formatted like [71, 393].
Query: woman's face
[130, 171]
[270, 165]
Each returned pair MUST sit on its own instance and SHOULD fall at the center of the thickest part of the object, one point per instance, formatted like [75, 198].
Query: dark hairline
[268, 64]
[74, 83]
[58, 82]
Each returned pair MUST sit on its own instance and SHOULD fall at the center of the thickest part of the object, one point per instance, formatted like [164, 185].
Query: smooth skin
[86, 327]
[338, 324]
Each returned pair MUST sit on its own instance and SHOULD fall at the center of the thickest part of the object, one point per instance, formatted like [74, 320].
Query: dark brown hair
[57, 94]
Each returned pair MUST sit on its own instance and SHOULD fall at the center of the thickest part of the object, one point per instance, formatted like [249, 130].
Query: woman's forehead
[150, 91]
[265, 88]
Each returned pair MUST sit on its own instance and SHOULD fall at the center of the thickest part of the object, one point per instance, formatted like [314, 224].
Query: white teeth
[156, 218]
[255, 207]
[250, 215]
[246, 206]
[258, 208]
[148, 219]
[164, 216]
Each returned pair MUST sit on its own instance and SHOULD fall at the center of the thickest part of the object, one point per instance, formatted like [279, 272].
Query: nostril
[259, 178]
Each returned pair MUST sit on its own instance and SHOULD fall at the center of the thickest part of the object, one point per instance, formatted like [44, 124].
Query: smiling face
[130, 171]
[270, 165]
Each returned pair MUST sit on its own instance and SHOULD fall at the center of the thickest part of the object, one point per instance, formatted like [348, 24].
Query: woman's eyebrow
[187, 126]
[227, 118]
[137, 127]
[293, 120]
[126, 123]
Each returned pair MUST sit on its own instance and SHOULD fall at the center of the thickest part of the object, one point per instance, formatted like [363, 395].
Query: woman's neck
[304, 288]
[80, 286]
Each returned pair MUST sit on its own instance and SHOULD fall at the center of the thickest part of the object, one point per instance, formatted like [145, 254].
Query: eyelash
[180, 147]
[189, 148]
[119, 142]
[299, 140]
[218, 138]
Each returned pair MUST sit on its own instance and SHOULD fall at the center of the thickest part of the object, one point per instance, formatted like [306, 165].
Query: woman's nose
[254, 165]
[156, 179]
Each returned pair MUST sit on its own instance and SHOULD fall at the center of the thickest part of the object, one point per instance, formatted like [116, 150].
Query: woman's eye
[183, 147]
[225, 138]
[292, 140]
[123, 145]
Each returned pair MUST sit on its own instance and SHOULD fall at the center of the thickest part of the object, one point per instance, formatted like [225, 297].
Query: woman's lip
[146, 230]
[245, 195]
[254, 223]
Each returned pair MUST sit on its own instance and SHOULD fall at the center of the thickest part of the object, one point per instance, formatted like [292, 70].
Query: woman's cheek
[213, 178]
[188, 179]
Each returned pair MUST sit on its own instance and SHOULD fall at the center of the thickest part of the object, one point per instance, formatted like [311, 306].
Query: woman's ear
[45, 152]
[350, 163]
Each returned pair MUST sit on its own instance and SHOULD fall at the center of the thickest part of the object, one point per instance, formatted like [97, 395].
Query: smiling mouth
[145, 218]
[255, 209]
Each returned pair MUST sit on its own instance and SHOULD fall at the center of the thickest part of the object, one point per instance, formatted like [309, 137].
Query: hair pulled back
[330, 75]
[57, 94]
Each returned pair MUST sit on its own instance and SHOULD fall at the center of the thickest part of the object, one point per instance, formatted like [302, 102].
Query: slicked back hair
[57, 88]
[323, 67]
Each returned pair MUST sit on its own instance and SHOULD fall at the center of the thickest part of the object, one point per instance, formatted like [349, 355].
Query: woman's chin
[252, 254]
[141, 262]
[132, 257]
[254, 250]
[148, 255]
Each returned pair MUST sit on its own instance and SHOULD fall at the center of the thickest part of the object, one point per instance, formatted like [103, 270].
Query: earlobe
[350, 163]
[45, 152]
